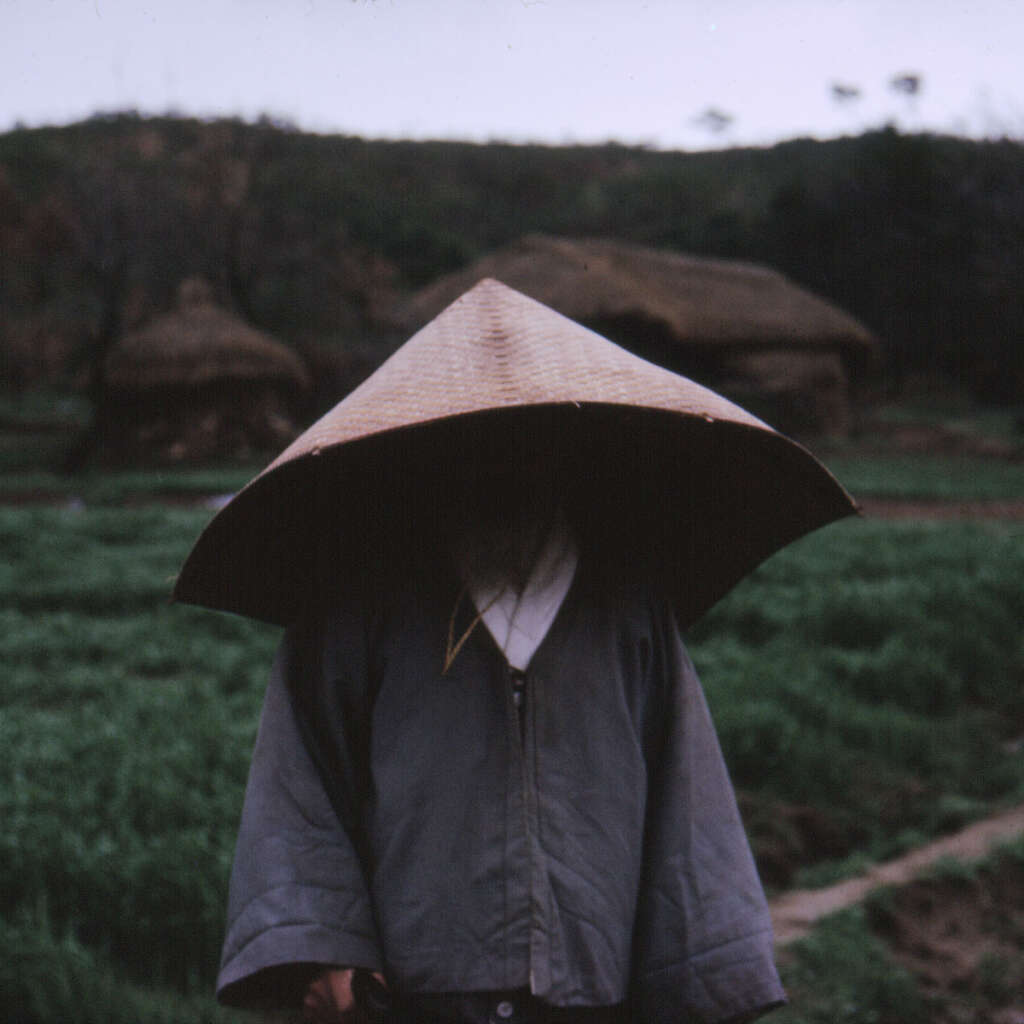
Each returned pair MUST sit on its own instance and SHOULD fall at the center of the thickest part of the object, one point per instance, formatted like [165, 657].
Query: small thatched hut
[198, 382]
[742, 329]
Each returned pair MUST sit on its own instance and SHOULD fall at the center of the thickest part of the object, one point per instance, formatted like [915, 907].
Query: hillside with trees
[313, 238]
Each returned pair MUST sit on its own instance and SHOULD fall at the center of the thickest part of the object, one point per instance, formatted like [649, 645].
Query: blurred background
[217, 218]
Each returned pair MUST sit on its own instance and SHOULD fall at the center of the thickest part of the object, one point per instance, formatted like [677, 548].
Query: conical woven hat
[709, 487]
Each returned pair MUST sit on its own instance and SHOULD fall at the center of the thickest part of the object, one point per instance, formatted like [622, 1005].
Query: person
[486, 785]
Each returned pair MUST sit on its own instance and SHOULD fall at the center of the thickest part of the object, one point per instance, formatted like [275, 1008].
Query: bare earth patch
[959, 932]
[935, 439]
[961, 938]
[898, 508]
[795, 912]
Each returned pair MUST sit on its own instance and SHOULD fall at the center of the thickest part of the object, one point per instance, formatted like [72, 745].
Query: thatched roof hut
[743, 329]
[199, 382]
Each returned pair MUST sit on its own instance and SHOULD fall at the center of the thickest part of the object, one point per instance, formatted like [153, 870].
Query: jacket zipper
[517, 682]
[516, 690]
[519, 693]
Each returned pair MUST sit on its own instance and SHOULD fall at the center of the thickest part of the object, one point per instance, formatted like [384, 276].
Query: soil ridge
[794, 913]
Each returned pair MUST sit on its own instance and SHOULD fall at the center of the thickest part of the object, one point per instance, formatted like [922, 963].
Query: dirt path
[899, 508]
[794, 913]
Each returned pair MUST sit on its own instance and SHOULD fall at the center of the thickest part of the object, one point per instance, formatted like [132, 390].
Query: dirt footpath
[794, 913]
[898, 508]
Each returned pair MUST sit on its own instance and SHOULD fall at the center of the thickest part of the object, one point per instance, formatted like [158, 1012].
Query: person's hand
[329, 999]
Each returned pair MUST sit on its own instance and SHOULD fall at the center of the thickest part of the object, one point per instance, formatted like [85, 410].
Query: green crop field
[127, 725]
[848, 969]
[872, 673]
[929, 477]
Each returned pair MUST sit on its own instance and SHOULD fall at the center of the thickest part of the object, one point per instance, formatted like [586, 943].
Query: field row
[866, 684]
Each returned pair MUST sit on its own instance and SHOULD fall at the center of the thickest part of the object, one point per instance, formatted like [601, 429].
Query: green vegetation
[930, 478]
[42, 408]
[126, 486]
[866, 682]
[844, 973]
[936, 404]
[126, 730]
[916, 235]
[869, 671]
[849, 969]
[48, 978]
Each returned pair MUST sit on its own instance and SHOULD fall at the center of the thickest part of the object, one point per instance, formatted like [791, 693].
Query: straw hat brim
[667, 473]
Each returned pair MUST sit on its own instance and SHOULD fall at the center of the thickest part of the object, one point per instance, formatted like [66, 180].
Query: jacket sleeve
[298, 896]
[704, 942]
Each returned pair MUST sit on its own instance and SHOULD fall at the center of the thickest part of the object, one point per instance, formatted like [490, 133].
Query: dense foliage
[870, 672]
[957, 928]
[311, 237]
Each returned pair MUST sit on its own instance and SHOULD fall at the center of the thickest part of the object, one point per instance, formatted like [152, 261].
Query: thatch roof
[200, 343]
[691, 299]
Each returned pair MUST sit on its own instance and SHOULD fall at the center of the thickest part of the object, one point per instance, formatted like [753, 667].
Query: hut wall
[804, 393]
[800, 389]
[174, 423]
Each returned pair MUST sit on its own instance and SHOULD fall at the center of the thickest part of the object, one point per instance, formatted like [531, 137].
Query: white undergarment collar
[519, 621]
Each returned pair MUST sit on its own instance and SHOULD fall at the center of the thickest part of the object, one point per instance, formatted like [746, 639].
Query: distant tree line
[313, 237]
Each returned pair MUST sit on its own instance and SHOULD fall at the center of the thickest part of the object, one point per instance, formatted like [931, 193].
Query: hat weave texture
[670, 471]
[495, 348]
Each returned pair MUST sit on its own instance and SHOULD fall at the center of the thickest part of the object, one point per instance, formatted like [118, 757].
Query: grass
[126, 729]
[104, 487]
[869, 671]
[43, 410]
[928, 478]
[873, 671]
[934, 404]
[845, 971]
[48, 977]
[842, 973]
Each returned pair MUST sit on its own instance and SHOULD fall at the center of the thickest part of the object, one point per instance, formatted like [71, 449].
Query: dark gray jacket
[400, 819]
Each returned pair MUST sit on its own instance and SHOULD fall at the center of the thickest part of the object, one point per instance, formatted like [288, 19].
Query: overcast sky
[549, 70]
